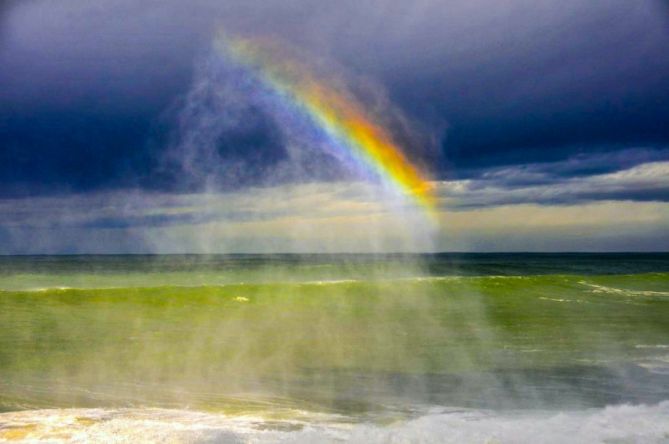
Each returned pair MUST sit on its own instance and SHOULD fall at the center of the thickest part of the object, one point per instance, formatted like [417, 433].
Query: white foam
[577, 301]
[656, 364]
[622, 291]
[622, 423]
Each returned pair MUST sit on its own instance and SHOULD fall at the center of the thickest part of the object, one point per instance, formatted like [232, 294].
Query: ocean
[508, 348]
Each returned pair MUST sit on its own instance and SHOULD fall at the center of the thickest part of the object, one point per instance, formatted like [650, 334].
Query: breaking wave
[620, 423]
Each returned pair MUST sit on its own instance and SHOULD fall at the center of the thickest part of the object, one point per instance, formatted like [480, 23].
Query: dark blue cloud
[89, 93]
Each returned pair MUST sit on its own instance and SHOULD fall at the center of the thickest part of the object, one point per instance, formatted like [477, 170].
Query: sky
[542, 125]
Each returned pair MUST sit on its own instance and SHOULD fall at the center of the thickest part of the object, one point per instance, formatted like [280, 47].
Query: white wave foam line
[622, 291]
[656, 364]
[577, 301]
[622, 423]
[325, 282]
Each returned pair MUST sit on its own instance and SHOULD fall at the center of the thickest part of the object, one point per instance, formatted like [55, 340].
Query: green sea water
[362, 336]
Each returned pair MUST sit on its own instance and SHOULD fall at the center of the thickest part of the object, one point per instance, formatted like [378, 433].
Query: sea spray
[311, 127]
[350, 334]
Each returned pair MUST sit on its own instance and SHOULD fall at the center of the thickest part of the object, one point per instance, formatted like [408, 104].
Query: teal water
[368, 340]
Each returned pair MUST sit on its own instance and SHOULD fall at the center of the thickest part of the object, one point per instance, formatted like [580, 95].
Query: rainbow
[336, 112]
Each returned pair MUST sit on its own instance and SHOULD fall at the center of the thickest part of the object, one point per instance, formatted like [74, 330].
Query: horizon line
[392, 253]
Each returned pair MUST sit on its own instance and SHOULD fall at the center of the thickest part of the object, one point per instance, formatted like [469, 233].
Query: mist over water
[284, 147]
[267, 347]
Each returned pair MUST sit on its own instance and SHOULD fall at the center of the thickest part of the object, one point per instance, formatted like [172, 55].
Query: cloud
[612, 211]
[567, 182]
[585, 162]
[513, 81]
[145, 209]
[595, 226]
[305, 217]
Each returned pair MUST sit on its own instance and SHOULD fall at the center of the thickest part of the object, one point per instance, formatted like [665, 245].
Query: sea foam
[620, 423]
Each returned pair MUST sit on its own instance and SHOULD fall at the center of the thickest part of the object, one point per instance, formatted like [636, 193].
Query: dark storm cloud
[86, 87]
[5, 8]
[537, 85]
